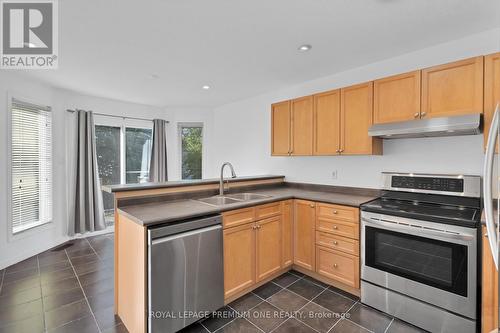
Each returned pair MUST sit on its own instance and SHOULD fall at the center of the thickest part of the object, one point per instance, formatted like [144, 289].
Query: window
[31, 165]
[191, 142]
[123, 149]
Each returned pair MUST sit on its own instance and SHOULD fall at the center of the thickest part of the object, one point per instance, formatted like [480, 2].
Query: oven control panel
[428, 183]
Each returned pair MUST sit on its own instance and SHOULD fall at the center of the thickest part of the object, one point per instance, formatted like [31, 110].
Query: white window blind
[31, 154]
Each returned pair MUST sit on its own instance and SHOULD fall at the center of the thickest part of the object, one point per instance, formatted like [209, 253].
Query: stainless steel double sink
[220, 200]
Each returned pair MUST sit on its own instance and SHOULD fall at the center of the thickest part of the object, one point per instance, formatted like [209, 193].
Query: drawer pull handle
[335, 265]
[335, 212]
[334, 227]
[335, 243]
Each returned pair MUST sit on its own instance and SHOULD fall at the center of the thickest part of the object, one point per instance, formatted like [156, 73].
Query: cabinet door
[491, 90]
[280, 128]
[489, 289]
[302, 126]
[268, 247]
[327, 123]
[239, 258]
[287, 227]
[356, 118]
[396, 98]
[304, 215]
[453, 89]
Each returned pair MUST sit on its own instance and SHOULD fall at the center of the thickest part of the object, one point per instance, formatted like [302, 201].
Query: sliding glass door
[123, 154]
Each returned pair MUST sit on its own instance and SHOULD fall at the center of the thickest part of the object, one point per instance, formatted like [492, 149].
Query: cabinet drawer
[338, 266]
[269, 210]
[238, 217]
[338, 212]
[338, 243]
[338, 227]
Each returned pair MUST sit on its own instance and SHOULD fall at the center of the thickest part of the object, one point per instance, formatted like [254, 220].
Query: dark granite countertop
[180, 183]
[150, 214]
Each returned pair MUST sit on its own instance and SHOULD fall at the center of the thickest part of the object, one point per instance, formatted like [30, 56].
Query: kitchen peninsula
[258, 230]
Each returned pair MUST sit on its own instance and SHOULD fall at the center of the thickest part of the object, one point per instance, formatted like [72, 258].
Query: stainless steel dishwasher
[185, 273]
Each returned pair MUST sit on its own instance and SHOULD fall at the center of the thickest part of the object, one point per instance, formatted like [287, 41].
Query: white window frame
[180, 125]
[34, 230]
[123, 123]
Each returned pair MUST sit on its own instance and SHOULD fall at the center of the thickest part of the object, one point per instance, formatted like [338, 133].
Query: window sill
[30, 230]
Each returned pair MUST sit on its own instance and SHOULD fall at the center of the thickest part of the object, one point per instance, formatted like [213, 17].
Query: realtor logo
[29, 34]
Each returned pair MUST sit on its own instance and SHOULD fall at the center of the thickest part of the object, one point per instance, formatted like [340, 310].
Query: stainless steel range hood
[446, 126]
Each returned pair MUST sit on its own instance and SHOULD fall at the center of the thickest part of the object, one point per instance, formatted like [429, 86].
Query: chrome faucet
[221, 182]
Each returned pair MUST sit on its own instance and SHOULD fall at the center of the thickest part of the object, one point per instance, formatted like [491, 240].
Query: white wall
[242, 129]
[26, 244]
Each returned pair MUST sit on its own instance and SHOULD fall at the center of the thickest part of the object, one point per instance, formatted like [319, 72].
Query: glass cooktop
[434, 212]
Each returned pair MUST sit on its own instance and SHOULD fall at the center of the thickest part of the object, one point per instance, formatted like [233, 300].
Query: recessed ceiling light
[305, 47]
[205, 87]
[154, 76]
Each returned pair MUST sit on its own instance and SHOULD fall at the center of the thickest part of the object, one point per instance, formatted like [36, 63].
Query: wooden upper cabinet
[356, 114]
[268, 247]
[327, 123]
[491, 90]
[302, 126]
[453, 89]
[397, 98]
[304, 234]
[280, 128]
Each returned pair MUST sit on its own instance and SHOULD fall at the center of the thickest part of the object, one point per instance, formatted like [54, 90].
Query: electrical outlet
[334, 174]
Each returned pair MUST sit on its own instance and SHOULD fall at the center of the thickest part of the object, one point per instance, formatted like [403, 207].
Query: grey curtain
[158, 166]
[89, 207]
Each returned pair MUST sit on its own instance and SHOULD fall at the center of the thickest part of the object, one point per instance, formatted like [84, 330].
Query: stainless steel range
[419, 246]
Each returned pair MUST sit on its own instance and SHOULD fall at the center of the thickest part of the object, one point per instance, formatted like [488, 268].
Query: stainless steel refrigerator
[491, 188]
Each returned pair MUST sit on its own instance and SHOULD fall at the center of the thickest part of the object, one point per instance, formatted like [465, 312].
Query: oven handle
[419, 230]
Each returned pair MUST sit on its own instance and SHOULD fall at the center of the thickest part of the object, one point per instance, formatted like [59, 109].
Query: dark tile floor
[297, 303]
[70, 289]
[66, 289]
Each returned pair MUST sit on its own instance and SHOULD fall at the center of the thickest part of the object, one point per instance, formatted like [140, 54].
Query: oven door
[432, 262]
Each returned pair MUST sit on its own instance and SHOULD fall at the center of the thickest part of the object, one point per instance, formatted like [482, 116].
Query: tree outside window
[191, 139]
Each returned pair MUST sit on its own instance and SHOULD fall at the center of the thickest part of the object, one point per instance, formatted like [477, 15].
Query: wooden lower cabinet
[338, 266]
[239, 258]
[304, 221]
[489, 289]
[268, 247]
[295, 232]
[252, 251]
[287, 232]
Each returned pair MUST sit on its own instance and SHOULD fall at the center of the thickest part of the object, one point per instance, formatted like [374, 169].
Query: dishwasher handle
[183, 226]
[184, 234]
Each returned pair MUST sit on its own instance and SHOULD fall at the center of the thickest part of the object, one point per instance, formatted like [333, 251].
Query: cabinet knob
[335, 243]
[416, 114]
[486, 235]
[337, 151]
[341, 150]
[259, 226]
[334, 227]
[335, 212]
[335, 265]
[312, 205]
[423, 114]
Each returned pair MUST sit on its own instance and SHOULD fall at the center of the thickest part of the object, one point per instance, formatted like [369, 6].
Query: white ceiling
[241, 48]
